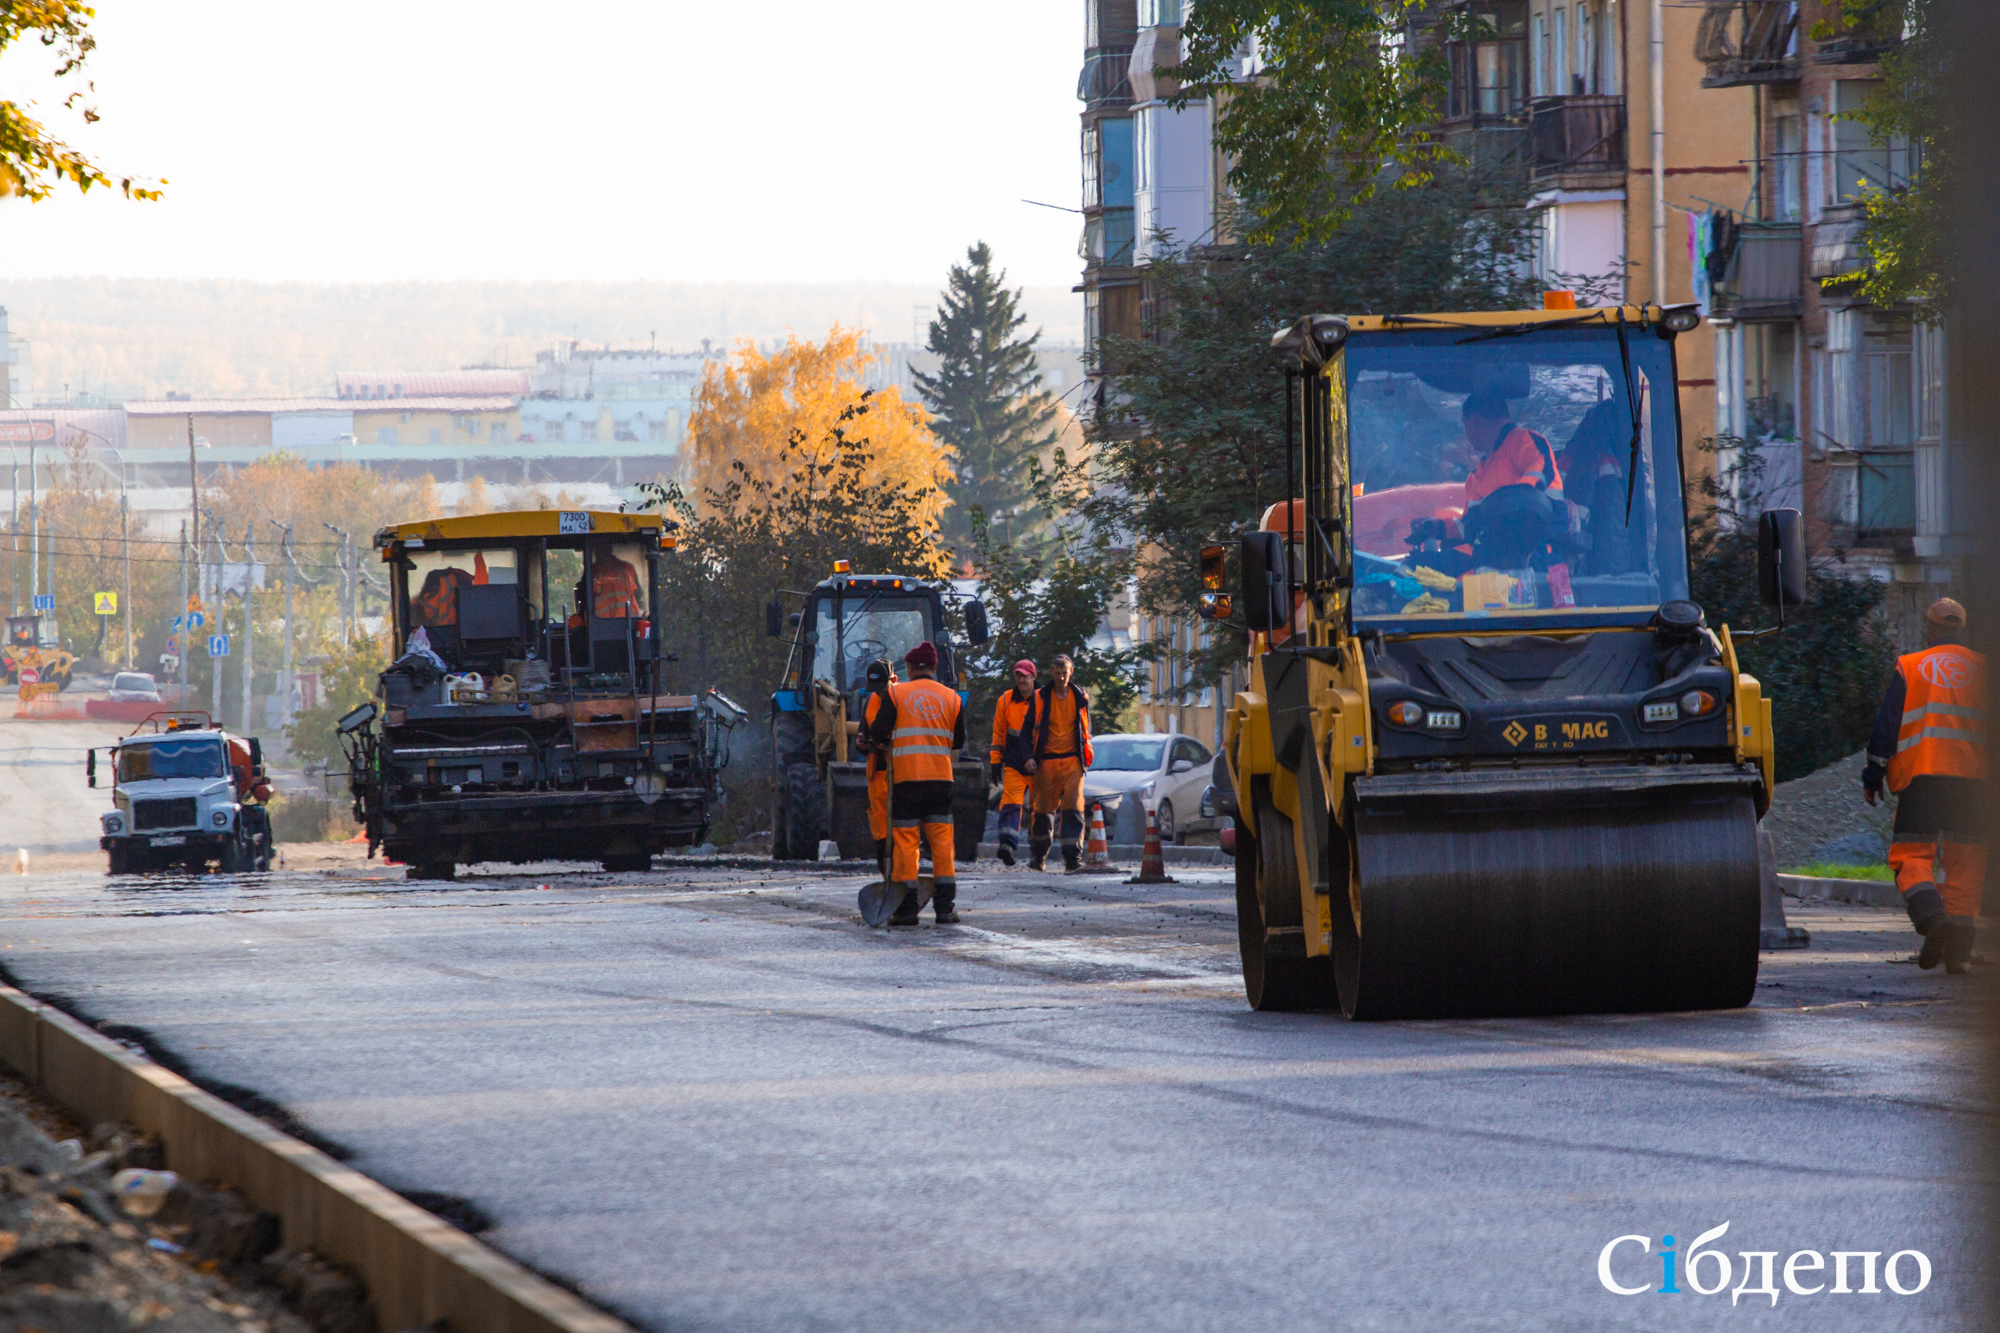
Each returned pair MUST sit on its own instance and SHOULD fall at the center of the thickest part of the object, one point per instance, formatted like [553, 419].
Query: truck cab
[820, 792]
[184, 796]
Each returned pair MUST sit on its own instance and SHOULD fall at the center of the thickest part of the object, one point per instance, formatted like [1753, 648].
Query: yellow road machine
[1491, 759]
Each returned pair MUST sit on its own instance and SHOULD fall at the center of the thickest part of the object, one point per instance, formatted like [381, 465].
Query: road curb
[1869, 892]
[417, 1269]
[1125, 851]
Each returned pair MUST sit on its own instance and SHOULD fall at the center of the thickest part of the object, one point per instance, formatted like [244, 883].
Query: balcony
[1748, 41]
[1763, 279]
[1874, 495]
[1577, 136]
[1106, 78]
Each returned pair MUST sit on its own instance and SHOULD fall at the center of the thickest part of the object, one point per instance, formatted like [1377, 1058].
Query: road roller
[1491, 760]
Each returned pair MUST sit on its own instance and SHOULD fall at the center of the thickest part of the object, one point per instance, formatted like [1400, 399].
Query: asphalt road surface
[44, 805]
[708, 1098]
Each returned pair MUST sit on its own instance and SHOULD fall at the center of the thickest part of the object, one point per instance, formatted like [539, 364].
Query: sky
[674, 140]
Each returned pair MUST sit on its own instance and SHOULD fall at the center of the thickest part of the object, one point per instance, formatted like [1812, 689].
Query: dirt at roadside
[1821, 806]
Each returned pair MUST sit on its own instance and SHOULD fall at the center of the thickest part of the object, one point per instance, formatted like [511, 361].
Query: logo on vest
[1947, 671]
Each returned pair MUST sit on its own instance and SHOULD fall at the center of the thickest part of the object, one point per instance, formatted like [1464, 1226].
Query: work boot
[945, 903]
[1006, 853]
[908, 914]
[1936, 931]
[1959, 933]
[1038, 855]
[1072, 857]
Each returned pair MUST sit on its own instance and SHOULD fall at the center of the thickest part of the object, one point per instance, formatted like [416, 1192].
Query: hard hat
[1945, 611]
[923, 655]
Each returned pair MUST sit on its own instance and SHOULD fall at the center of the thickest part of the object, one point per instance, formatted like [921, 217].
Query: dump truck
[34, 644]
[186, 795]
[1491, 759]
[819, 779]
[528, 713]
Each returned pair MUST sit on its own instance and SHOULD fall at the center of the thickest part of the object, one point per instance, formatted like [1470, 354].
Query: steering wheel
[865, 651]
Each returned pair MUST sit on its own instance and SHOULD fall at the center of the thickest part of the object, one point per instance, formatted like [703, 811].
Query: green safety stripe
[1946, 710]
[1966, 734]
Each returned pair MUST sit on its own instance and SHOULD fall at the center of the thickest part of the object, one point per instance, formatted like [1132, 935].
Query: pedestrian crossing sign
[107, 604]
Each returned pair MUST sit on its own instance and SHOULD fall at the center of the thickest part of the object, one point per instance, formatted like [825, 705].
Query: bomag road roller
[527, 713]
[1491, 759]
[820, 781]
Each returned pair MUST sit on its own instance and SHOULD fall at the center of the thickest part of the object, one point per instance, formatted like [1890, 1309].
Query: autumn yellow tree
[758, 406]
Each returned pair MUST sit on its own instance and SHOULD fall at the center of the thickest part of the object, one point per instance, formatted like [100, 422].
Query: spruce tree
[986, 400]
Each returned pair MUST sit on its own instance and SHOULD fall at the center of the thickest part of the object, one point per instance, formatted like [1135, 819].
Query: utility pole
[14, 527]
[194, 499]
[346, 586]
[291, 579]
[249, 588]
[187, 630]
[35, 527]
[125, 536]
[221, 627]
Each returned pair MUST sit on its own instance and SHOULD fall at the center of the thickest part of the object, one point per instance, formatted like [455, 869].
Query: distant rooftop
[429, 383]
[180, 407]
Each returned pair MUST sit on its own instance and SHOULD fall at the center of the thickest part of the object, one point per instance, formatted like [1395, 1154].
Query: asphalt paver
[708, 1097]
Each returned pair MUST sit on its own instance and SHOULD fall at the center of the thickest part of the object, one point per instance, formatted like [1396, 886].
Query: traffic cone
[1152, 865]
[1096, 851]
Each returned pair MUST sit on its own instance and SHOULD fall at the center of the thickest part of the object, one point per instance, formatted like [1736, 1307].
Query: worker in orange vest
[880, 677]
[1060, 751]
[922, 724]
[1929, 745]
[1010, 756]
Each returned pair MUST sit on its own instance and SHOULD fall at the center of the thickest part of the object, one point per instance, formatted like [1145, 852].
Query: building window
[1770, 381]
[1860, 164]
[1788, 166]
[496, 432]
[1888, 390]
[586, 432]
[1927, 365]
[1560, 70]
[385, 435]
[1539, 57]
[437, 435]
[1489, 76]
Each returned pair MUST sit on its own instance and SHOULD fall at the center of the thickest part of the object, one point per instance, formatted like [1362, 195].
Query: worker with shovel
[922, 725]
[880, 678]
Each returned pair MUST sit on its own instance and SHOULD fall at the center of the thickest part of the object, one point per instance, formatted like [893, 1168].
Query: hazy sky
[676, 139]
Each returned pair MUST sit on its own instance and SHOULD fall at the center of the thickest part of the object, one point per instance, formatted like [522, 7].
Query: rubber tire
[628, 864]
[1164, 813]
[132, 862]
[804, 799]
[237, 858]
[444, 870]
[1273, 984]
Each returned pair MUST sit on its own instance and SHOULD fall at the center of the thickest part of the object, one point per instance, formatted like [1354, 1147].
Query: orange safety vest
[614, 589]
[1008, 720]
[1944, 716]
[926, 720]
[869, 711]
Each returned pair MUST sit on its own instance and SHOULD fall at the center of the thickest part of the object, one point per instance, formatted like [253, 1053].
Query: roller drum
[1637, 903]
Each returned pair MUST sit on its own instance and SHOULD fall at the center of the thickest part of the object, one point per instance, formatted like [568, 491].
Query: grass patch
[1823, 871]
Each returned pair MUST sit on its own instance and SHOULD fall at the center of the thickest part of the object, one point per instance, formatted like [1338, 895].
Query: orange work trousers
[878, 801]
[1964, 863]
[1013, 796]
[938, 834]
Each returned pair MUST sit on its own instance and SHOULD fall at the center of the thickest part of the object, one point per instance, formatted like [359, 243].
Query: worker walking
[1060, 751]
[1929, 743]
[922, 725]
[1010, 756]
[880, 678]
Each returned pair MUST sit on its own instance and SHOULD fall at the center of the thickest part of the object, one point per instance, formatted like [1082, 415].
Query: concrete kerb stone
[418, 1269]
[1126, 851]
[1867, 892]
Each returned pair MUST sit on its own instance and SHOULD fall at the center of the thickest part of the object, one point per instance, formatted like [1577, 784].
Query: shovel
[879, 901]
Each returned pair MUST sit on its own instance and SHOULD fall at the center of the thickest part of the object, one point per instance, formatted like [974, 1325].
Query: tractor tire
[1277, 977]
[804, 815]
[628, 864]
[444, 870]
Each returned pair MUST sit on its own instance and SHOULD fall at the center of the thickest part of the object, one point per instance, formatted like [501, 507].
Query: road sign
[30, 676]
[218, 645]
[195, 620]
[107, 604]
[45, 601]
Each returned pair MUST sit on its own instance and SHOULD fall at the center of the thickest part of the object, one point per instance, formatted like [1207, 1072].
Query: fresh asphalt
[708, 1098]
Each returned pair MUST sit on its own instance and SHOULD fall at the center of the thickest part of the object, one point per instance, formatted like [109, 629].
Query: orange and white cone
[1152, 865]
[1096, 851]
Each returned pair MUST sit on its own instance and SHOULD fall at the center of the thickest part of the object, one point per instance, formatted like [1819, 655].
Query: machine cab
[32, 632]
[849, 621]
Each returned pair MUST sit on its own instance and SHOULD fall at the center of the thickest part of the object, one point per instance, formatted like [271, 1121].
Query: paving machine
[35, 644]
[1491, 760]
[820, 781]
[526, 715]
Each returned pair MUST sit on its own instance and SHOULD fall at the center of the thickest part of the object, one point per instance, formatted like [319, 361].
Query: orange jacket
[1008, 719]
[1522, 456]
[614, 589]
[1942, 731]
[1065, 736]
[925, 728]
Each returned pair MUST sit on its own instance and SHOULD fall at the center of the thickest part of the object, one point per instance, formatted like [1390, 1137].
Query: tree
[1193, 443]
[759, 410]
[1341, 96]
[347, 680]
[32, 163]
[986, 400]
[774, 526]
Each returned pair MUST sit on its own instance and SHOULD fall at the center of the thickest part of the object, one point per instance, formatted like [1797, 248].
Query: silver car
[1133, 774]
[133, 687]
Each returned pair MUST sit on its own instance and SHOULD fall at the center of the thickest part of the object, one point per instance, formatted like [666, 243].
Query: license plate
[171, 840]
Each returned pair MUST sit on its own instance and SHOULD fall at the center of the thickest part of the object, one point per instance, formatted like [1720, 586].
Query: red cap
[923, 655]
[1025, 665]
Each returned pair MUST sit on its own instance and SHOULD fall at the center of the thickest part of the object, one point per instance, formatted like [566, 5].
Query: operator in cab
[1500, 527]
[1929, 747]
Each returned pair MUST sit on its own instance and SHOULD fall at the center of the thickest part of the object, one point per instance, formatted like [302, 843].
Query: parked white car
[1134, 773]
[133, 687]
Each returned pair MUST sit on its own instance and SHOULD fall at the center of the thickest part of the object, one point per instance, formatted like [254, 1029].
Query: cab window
[433, 581]
[170, 759]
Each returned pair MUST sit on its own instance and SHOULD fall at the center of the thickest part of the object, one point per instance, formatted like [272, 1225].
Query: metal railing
[1576, 134]
[1106, 78]
[1748, 41]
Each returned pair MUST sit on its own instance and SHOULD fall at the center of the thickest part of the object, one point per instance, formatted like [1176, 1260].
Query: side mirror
[1781, 558]
[1263, 580]
[1180, 766]
[774, 619]
[256, 753]
[976, 629]
[90, 767]
[356, 720]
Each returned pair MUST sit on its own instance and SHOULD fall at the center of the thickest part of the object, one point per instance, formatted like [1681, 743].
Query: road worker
[922, 725]
[1508, 531]
[1059, 723]
[880, 677]
[1010, 756]
[1929, 746]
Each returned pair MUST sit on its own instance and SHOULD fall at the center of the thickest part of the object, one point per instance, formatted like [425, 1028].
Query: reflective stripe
[1966, 734]
[905, 823]
[902, 750]
[900, 732]
[1946, 710]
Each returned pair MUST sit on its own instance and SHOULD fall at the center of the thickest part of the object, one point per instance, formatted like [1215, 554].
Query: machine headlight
[114, 823]
[1697, 703]
[1665, 710]
[1445, 719]
[220, 819]
[1408, 713]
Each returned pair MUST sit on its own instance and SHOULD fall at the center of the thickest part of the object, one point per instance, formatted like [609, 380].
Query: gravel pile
[1808, 813]
[72, 1260]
